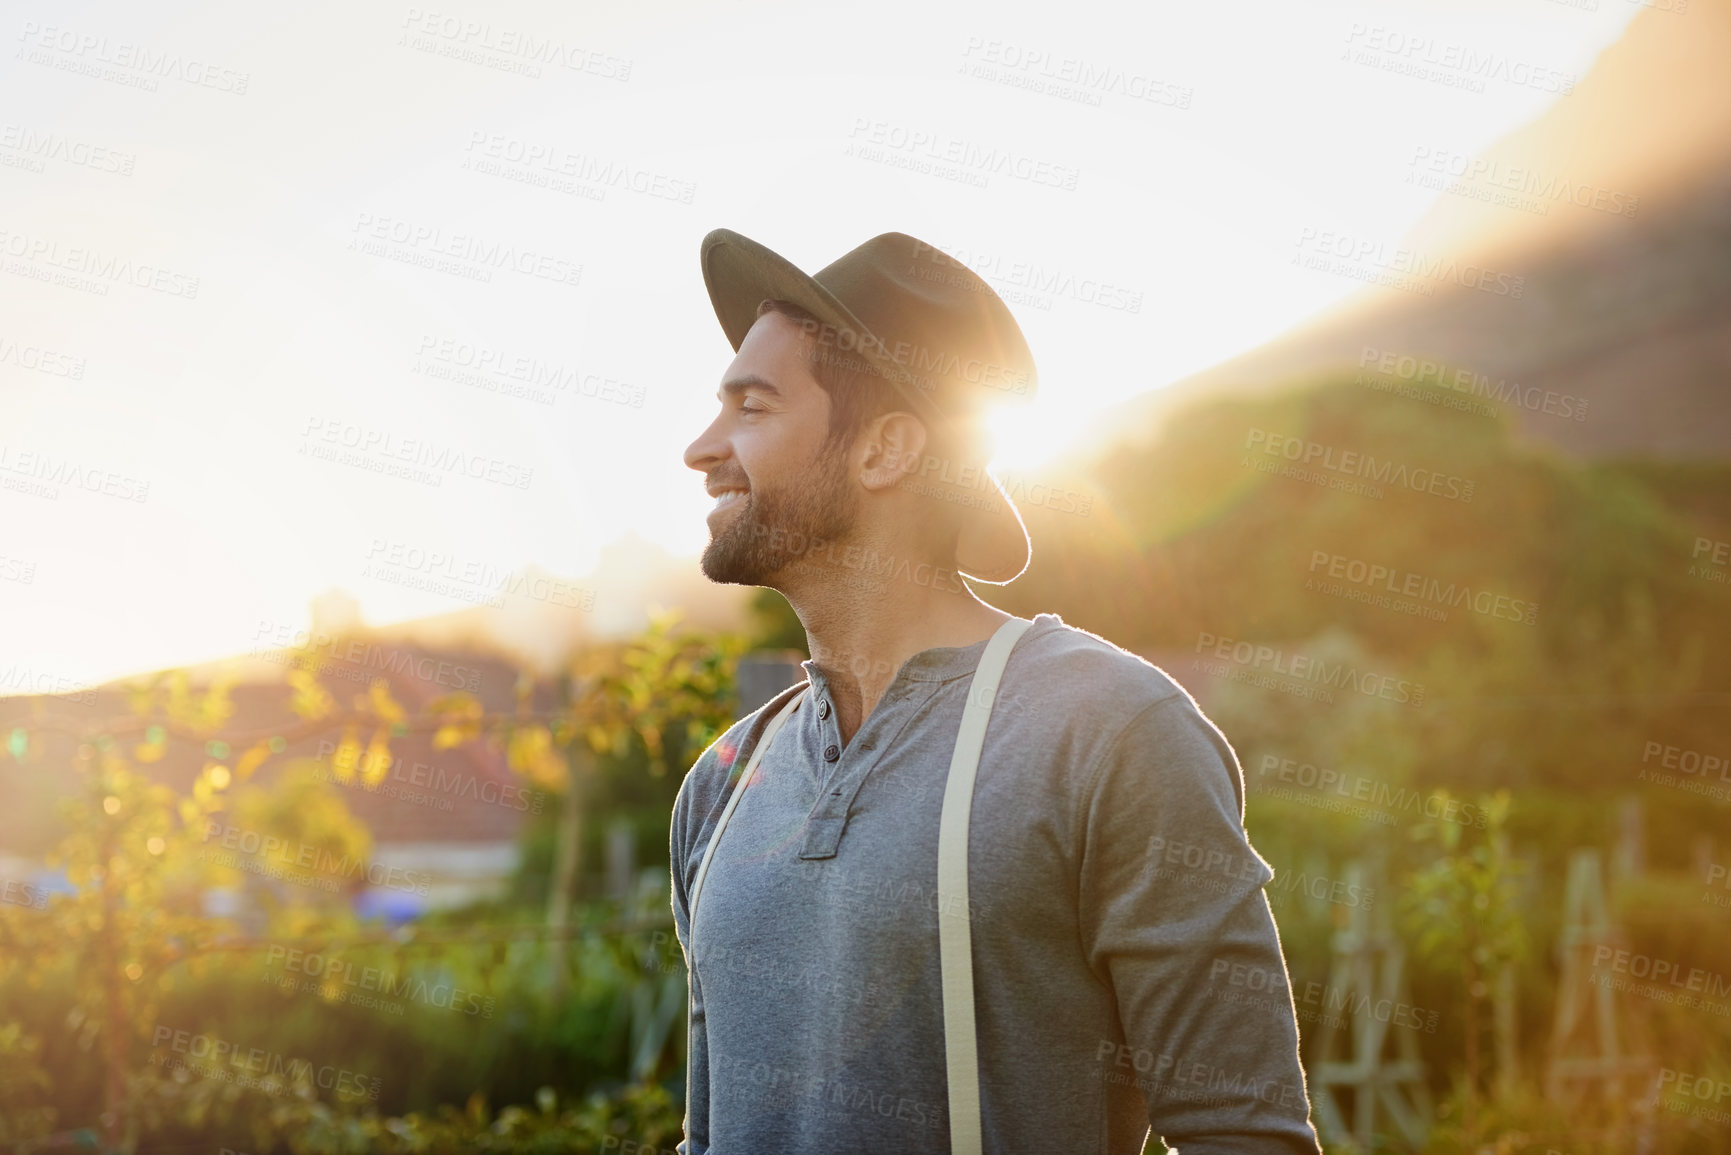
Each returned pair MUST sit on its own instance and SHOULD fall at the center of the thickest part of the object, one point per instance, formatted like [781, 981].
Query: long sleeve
[702, 795]
[1171, 902]
[696, 1140]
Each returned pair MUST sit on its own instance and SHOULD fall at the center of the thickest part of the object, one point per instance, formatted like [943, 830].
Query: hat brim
[740, 274]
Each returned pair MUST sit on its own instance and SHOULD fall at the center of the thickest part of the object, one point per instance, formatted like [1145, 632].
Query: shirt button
[831, 753]
[823, 708]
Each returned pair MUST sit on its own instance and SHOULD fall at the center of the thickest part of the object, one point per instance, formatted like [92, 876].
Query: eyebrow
[739, 385]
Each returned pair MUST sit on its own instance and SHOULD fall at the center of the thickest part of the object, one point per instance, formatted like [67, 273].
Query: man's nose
[709, 448]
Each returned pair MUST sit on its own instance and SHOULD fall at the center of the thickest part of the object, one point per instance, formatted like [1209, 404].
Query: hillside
[1626, 310]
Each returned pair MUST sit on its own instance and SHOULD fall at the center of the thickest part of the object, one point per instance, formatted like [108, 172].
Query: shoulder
[1067, 667]
[1117, 712]
[704, 790]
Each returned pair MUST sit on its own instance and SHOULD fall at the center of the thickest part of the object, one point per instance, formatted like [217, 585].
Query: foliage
[640, 1114]
[1184, 541]
[1462, 912]
[132, 948]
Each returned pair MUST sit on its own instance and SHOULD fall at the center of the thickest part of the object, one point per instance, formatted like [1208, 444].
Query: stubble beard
[776, 526]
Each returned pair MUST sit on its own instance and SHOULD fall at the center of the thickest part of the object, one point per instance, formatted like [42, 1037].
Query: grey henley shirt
[1112, 891]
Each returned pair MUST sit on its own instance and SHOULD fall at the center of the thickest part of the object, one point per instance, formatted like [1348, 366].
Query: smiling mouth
[727, 498]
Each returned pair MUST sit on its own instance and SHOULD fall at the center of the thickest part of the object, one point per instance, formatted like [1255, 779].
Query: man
[1110, 879]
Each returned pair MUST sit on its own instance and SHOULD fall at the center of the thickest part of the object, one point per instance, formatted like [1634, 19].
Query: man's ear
[895, 445]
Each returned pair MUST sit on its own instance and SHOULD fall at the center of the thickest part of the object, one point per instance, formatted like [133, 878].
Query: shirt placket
[845, 770]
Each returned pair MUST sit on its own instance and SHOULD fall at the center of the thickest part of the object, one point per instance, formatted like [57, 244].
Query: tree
[139, 855]
[1461, 912]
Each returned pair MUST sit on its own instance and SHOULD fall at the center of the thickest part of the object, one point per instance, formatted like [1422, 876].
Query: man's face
[766, 441]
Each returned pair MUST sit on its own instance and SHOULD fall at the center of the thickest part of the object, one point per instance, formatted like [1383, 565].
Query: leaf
[465, 713]
[251, 760]
[384, 706]
[347, 757]
[311, 700]
[378, 758]
[447, 737]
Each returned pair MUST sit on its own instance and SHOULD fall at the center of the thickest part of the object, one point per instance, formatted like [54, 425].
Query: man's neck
[860, 639]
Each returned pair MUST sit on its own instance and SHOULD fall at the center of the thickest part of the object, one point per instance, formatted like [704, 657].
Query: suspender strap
[703, 872]
[732, 802]
[955, 938]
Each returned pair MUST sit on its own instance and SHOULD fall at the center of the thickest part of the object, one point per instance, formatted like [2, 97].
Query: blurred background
[353, 644]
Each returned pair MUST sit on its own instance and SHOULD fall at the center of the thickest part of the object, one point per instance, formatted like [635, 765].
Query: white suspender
[955, 940]
[703, 871]
[955, 937]
[727, 811]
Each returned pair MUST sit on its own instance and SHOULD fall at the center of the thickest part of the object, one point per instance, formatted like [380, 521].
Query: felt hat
[933, 330]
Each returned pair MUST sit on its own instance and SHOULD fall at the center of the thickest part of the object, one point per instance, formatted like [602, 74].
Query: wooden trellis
[1586, 1047]
[1369, 966]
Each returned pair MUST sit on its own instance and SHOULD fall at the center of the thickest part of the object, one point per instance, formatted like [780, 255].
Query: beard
[774, 526]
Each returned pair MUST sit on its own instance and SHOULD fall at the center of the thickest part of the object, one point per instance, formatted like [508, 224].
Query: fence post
[1369, 968]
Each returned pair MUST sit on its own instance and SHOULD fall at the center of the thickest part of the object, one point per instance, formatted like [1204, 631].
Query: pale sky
[208, 281]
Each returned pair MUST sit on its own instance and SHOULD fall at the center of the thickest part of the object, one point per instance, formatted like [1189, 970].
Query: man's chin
[725, 562]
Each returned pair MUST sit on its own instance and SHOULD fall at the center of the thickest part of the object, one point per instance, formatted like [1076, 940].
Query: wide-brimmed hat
[934, 330]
